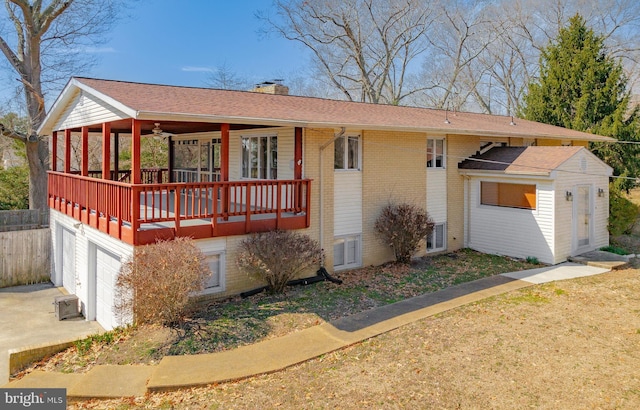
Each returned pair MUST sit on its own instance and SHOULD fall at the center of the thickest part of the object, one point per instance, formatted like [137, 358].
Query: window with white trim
[347, 153]
[346, 252]
[215, 283]
[436, 240]
[260, 157]
[508, 195]
[435, 153]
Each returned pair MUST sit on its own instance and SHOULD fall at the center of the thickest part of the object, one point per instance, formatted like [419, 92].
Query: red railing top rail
[180, 184]
[87, 178]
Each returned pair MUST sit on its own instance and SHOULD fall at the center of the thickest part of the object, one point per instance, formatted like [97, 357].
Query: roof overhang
[74, 86]
[520, 174]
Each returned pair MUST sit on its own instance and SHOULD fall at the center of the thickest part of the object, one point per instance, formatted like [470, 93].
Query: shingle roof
[538, 160]
[152, 101]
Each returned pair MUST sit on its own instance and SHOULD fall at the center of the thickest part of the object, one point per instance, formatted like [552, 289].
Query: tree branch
[5, 132]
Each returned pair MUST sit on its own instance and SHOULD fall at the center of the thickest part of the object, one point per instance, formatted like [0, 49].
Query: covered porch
[142, 205]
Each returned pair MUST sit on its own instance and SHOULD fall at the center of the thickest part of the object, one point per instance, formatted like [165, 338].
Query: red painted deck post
[54, 151]
[136, 177]
[247, 221]
[176, 208]
[106, 150]
[85, 152]
[224, 167]
[278, 205]
[67, 150]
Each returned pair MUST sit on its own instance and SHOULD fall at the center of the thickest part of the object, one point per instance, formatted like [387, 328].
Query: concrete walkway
[28, 322]
[176, 372]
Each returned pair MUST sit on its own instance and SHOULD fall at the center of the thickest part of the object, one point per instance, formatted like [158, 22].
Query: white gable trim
[71, 91]
[86, 109]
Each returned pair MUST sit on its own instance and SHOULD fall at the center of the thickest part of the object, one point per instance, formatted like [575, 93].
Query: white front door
[583, 220]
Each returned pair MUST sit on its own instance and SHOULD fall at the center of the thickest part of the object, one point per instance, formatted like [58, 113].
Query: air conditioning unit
[66, 307]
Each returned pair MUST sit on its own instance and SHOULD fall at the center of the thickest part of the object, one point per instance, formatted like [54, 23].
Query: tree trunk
[38, 158]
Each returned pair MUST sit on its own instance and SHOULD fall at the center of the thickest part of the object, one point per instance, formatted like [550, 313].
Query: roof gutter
[321, 182]
[168, 116]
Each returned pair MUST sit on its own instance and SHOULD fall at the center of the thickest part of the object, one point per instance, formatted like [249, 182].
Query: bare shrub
[155, 284]
[277, 257]
[402, 227]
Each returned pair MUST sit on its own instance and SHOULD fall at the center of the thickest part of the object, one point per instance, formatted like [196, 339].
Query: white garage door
[107, 268]
[68, 262]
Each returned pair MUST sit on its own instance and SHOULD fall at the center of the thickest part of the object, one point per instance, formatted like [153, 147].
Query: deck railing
[147, 175]
[142, 213]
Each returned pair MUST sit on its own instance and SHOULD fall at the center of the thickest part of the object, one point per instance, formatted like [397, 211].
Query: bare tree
[365, 48]
[45, 42]
[224, 78]
[526, 26]
[463, 33]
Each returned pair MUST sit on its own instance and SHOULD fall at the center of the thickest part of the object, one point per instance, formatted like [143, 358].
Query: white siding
[347, 203]
[437, 194]
[513, 232]
[548, 233]
[86, 238]
[569, 176]
[68, 259]
[85, 109]
[286, 149]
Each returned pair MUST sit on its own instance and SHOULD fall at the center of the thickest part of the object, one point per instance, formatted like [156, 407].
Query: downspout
[322, 148]
[467, 211]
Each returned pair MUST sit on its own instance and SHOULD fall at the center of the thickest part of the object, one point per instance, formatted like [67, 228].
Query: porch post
[297, 154]
[171, 158]
[67, 150]
[135, 152]
[85, 152]
[224, 152]
[106, 150]
[224, 169]
[54, 151]
[116, 156]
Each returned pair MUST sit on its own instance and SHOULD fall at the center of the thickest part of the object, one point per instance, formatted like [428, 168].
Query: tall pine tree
[584, 89]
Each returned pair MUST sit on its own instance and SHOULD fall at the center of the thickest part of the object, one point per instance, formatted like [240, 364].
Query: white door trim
[582, 215]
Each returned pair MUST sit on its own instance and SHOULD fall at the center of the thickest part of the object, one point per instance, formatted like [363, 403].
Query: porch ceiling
[172, 127]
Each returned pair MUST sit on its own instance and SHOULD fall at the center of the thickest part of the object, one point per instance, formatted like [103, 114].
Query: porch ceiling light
[157, 131]
[158, 134]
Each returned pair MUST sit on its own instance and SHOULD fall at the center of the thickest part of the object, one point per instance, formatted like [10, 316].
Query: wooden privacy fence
[25, 257]
[23, 219]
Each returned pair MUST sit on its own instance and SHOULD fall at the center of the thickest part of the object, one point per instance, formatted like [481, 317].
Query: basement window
[346, 252]
[436, 239]
[215, 283]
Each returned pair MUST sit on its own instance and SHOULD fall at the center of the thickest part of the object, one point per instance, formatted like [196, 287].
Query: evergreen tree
[584, 89]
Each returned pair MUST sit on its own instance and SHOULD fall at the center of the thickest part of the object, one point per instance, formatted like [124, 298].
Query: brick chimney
[271, 87]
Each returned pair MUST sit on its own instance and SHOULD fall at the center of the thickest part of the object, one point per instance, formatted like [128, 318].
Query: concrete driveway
[27, 318]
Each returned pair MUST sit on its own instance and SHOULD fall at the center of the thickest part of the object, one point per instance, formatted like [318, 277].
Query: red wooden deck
[139, 214]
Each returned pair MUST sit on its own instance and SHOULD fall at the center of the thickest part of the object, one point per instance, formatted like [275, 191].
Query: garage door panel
[107, 268]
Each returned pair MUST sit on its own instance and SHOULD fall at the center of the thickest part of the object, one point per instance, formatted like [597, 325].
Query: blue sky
[181, 42]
